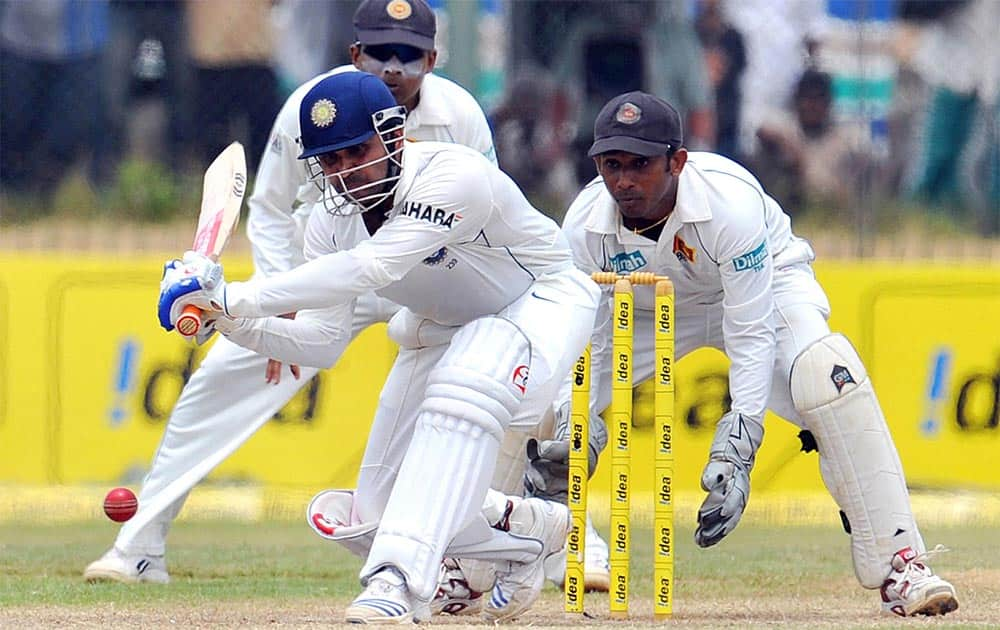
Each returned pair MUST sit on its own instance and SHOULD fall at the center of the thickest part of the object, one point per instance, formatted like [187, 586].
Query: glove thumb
[715, 475]
[532, 449]
[554, 451]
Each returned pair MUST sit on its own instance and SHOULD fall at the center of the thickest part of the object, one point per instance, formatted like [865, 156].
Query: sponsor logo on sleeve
[752, 261]
[628, 261]
[424, 212]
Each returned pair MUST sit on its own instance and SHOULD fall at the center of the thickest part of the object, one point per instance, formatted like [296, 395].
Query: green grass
[255, 574]
[209, 561]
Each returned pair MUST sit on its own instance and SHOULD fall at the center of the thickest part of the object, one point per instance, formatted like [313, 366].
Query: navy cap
[337, 112]
[409, 22]
[637, 123]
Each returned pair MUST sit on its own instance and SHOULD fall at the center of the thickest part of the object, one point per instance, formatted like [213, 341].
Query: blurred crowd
[836, 104]
[833, 103]
[171, 81]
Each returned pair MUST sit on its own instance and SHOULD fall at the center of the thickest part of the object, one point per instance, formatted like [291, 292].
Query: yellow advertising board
[87, 381]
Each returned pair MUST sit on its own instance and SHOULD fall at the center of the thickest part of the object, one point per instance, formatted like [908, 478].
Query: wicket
[619, 418]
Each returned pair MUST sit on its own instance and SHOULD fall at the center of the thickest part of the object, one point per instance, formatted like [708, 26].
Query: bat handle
[189, 322]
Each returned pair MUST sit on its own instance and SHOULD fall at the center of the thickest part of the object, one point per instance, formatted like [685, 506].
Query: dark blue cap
[337, 112]
[637, 123]
[410, 22]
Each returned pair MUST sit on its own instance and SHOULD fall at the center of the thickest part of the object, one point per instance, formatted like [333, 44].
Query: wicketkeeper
[744, 285]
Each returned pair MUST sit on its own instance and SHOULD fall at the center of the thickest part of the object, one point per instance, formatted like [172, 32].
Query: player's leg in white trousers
[437, 458]
[226, 401]
[821, 384]
[508, 478]
[463, 581]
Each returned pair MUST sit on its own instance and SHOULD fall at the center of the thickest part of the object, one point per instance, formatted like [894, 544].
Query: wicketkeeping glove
[547, 474]
[196, 279]
[726, 477]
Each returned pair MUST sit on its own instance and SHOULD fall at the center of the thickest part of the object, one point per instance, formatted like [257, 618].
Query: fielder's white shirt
[720, 246]
[283, 197]
[460, 242]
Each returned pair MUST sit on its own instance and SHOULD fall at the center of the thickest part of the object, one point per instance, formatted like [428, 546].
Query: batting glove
[197, 280]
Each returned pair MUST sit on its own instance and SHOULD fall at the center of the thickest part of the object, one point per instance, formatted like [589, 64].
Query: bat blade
[221, 198]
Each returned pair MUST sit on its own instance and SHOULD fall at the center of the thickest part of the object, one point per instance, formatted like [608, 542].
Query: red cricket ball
[120, 504]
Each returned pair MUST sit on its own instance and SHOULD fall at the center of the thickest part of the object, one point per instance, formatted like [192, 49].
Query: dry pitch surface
[277, 574]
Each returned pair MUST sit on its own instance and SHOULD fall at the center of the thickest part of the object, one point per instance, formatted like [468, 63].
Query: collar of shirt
[433, 109]
[691, 207]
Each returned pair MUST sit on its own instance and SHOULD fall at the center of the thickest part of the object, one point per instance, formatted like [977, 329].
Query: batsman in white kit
[227, 400]
[440, 230]
[744, 285]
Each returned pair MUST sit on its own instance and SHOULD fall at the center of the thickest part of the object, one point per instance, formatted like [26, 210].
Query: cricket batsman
[440, 230]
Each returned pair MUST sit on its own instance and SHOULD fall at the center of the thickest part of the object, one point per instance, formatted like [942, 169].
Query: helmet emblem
[628, 114]
[323, 112]
[399, 9]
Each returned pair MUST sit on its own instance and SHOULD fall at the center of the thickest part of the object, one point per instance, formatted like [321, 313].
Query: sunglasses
[406, 60]
[385, 52]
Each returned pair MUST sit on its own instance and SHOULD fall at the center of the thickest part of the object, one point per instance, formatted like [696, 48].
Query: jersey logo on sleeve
[752, 260]
[424, 212]
[627, 261]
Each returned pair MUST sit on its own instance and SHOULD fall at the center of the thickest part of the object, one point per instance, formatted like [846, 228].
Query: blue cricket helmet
[338, 112]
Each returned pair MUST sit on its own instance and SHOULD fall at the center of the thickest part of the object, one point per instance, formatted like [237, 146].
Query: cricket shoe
[912, 588]
[596, 569]
[597, 572]
[519, 584]
[115, 566]
[455, 596]
[386, 600]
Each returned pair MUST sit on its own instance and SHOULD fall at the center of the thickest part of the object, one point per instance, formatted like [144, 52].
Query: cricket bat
[221, 197]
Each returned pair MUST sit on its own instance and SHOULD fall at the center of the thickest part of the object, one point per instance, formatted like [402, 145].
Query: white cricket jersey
[282, 195]
[460, 242]
[720, 246]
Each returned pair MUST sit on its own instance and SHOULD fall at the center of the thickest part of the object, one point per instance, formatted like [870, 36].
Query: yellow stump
[578, 476]
[620, 429]
[663, 456]
[620, 442]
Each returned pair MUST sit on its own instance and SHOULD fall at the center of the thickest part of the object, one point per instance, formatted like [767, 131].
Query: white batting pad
[472, 395]
[332, 516]
[858, 460]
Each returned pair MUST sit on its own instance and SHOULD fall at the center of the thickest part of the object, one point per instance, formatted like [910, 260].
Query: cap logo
[323, 112]
[628, 114]
[399, 9]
